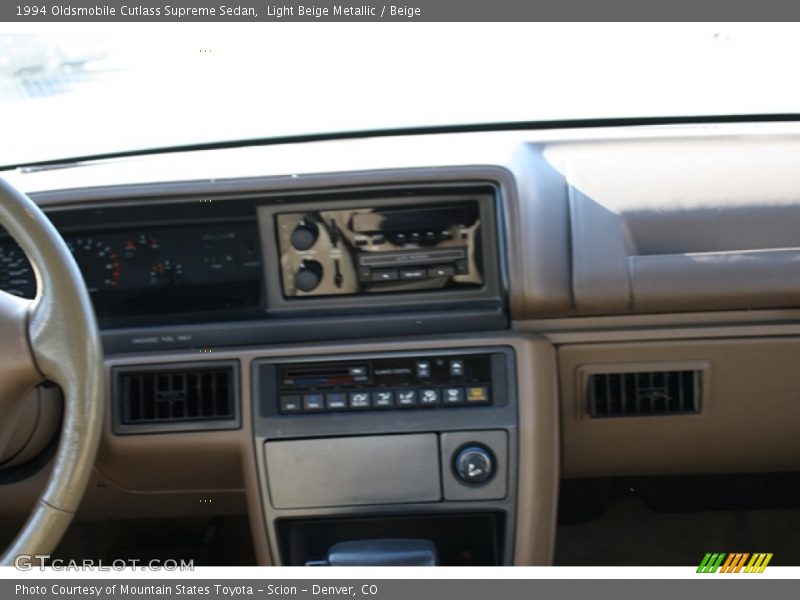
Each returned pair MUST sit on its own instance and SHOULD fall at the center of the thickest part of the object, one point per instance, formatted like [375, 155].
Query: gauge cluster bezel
[147, 264]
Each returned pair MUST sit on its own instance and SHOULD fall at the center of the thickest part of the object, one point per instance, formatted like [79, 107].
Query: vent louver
[178, 397]
[647, 393]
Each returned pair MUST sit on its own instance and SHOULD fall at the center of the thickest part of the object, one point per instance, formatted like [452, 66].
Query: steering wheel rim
[54, 336]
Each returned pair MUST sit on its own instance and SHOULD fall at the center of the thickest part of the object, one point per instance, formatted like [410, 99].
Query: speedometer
[16, 274]
[99, 263]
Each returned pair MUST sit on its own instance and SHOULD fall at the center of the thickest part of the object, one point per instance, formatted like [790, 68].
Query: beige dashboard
[647, 280]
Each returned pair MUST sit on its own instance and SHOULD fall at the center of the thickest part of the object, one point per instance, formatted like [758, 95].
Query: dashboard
[494, 311]
[207, 260]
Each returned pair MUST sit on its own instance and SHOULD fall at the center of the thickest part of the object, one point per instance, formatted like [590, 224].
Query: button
[400, 238]
[407, 398]
[413, 274]
[361, 242]
[429, 397]
[359, 373]
[364, 274]
[453, 395]
[290, 404]
[431, 236]
[456, 368]
[378, 238]
[416, 236]
[384, 275]
[445, 234]
[383, 399]
[442, 271]
[423, 369]
[359, 400]
[304, 235]
[336, 401]
[461, 267]
[313, 402]
[477, 394]
[474, 464]
[309, 276]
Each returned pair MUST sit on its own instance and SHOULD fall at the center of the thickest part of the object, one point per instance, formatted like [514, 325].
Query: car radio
[387, 249]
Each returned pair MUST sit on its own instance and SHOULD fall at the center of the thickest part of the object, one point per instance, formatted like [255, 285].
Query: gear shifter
[380, 553]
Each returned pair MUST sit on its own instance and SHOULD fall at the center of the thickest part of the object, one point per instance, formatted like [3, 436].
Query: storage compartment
[683, 226]
[354, 471]
[460, 539]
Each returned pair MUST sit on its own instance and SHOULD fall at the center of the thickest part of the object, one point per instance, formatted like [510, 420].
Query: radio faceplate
[394, 248]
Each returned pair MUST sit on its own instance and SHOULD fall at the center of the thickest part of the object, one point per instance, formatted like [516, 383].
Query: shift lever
[380, 553]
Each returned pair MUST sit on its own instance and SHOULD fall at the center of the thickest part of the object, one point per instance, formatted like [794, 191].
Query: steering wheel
[55, 337]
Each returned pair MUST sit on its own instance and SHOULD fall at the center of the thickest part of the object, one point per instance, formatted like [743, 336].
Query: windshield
[89, 90]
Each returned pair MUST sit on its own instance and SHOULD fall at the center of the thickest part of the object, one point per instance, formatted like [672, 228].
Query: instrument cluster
[155, 270]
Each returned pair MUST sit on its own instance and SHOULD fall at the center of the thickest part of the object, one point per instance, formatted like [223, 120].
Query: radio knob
[309, 276]
[305, 235]
[474, 464]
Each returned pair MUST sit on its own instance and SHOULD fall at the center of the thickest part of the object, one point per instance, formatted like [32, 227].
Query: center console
[370, 446]
[366, 448]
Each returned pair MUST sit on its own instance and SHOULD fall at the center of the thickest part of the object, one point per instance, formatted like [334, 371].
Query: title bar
[414, 10]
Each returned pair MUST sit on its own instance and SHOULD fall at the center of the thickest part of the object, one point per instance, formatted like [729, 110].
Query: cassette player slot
[399, 259]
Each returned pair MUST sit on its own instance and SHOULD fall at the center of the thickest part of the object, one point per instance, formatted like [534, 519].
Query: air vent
[177, 397]
[647, 393]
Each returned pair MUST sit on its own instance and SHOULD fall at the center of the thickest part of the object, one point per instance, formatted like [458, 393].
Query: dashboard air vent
[178, 397]
[647, 393]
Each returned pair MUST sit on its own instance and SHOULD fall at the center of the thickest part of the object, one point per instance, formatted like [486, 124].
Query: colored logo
[736, 562]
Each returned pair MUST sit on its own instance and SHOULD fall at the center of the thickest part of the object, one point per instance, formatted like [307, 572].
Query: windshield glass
[87, 90]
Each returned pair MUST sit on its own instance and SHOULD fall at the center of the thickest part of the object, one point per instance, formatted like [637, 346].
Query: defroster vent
[177, 397]
[645, 393]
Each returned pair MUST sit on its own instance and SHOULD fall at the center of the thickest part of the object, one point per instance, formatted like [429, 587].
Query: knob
[474, 464]
[308, 276]
[305, 235]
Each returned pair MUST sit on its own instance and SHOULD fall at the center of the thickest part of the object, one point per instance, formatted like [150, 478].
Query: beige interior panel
[749, 421]
[214, 473]
[539, 464]
[173, 462]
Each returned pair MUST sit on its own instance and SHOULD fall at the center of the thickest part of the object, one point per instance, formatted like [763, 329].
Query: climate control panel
[386, 383]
